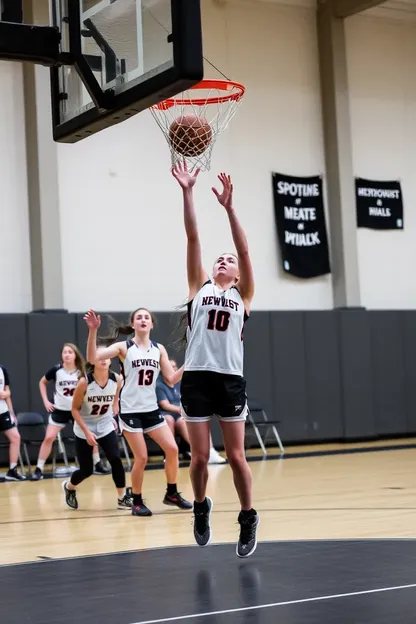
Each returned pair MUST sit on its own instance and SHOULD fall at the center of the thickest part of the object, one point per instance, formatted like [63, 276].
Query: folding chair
[257, 421]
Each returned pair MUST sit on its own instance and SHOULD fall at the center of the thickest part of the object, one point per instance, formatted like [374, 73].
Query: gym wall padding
[14, 356]
[356, 374]
[47, 334]
[387, 362]
[326, 375]
[287, 340]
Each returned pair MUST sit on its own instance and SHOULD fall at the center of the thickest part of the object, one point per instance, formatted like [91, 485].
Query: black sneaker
[176, 500]
[70, 496]
[100, 469]
[37, 475]
[202, 526]
[141, 510]
[125, 503]
[13, 475]
[247, 543]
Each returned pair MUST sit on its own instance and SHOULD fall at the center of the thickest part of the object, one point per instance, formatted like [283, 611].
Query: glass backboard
[131, 54]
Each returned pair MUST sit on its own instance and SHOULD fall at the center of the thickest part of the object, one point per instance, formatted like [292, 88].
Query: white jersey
[4, 381]
[140, 370]
[215, 331]
[65, 384]
[97, 407]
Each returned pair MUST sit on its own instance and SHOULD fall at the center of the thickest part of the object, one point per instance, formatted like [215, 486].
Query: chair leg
[22, 466]
[63, 450]
[259, 439]
[282, 450]
[27, 459]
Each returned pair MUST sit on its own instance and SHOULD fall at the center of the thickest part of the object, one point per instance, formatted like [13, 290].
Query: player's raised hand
[226, 196]
[183, 176]
[92, 320]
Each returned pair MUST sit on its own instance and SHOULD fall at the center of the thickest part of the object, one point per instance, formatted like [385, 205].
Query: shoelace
[247, 531]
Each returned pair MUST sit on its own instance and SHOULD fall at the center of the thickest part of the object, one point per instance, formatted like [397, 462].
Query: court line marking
[277, 604]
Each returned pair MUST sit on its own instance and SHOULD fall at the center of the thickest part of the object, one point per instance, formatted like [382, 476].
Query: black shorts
[174, 415]
[141, 422]
[60, 418]
[6, 422]
[204, 394]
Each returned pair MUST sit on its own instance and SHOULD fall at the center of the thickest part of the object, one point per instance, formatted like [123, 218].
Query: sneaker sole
[123, 508]
[64, 490]
[177, 506]
[210, 528]
[13, 479]
[252, 550]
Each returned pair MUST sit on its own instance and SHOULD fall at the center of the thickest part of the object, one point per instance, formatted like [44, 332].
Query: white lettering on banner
[302, 240]
[300, 214]
[379, 193]
[379, 212]
[304, 190]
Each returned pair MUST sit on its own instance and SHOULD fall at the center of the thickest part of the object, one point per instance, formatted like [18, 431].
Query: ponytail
[122, 329]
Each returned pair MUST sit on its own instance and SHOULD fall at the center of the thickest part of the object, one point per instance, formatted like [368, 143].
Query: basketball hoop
[191, 121]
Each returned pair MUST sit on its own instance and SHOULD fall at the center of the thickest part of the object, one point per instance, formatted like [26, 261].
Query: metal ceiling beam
[346, 8]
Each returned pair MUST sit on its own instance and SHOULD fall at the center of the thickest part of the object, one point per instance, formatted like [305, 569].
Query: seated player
[169, 399]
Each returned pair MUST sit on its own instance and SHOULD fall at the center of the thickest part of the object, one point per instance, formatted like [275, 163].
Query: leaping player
[213, 381]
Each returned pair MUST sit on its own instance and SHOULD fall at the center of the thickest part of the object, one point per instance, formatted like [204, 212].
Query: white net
[192, 120]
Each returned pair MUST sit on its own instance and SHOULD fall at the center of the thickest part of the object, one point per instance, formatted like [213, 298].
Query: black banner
[300, 222]
[379, 204]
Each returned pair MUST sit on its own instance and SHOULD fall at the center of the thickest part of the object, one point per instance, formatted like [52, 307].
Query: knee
[237, 459]
[199, 459]
[140, 460]
[171, 450]
[50, 436]
[14, 435]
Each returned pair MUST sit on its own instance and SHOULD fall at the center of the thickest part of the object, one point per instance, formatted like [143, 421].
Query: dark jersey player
[213, 381]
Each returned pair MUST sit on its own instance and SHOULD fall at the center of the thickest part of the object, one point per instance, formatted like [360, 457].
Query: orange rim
[237, 89]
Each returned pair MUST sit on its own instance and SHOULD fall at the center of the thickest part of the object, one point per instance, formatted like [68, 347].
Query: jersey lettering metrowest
[220, 301]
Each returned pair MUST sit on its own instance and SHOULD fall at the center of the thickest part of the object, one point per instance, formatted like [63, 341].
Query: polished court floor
[336, 543]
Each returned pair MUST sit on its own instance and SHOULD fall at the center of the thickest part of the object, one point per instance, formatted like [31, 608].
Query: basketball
[190, 135]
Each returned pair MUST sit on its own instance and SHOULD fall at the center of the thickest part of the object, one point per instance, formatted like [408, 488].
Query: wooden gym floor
[340, 497]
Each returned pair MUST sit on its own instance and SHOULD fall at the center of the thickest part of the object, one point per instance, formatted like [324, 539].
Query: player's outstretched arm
[93, 322]
[196, 273]
[246, 279]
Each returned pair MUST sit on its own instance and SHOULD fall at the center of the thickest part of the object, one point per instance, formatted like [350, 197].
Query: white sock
[40, 464]
[13, 465]
[95, 458]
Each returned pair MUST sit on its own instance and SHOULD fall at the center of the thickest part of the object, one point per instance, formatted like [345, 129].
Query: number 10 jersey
[140, 370]
[215, 331]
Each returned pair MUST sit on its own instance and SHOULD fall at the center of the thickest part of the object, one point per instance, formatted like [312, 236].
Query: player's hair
[79, 359]
[118, 329]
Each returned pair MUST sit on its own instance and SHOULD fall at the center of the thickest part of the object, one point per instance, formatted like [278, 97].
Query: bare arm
[246, 279]
[168, 373]
[9, 402]
[77, 400]
[117, 396]
[118, 349]
[43, 384]
[196, 273]
[166, 406]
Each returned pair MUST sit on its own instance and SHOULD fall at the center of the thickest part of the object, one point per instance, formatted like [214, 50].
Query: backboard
[126, 55]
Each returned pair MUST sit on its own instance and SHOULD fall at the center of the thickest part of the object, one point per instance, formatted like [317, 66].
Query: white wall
[382, 81]
[15, 279]
[121, 219]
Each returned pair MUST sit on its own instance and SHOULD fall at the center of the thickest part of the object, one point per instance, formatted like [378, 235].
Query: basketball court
[333, 545]
[336, 535]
